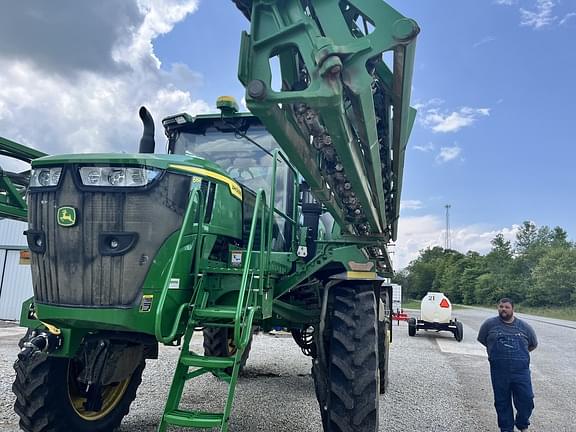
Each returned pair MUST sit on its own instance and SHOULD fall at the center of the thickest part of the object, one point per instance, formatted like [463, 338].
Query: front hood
[161, 161]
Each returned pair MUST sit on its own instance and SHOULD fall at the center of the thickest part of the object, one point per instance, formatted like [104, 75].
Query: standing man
[508, 341]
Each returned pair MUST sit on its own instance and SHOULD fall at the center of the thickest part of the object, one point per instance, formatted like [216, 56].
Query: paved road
[437, 384]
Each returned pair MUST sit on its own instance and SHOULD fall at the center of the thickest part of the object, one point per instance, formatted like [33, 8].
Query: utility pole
[448, 244]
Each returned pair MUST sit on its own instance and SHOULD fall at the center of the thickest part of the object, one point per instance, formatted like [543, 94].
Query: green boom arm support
[13, 185]
[341, 113]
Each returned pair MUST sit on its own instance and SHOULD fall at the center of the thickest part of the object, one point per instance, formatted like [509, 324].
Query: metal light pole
[448, 244]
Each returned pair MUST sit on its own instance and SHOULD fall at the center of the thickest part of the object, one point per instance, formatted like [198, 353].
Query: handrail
[245, 338]
[240, 338]
[159, 311]
[285, 216]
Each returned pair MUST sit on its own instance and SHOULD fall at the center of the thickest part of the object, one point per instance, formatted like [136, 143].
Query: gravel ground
[437, 385]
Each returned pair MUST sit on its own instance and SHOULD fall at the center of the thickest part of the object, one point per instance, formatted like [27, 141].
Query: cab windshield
[244, 161]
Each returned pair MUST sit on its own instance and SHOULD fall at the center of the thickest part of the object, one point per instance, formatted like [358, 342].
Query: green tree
[421, 278]
[554, 278]
[539, 269]
[487, 290]
[532, 243]
[505, 278]
[450, 278]
[526, 237]
[501, 248]
[401, 278]
[559, 238]
[474, 266]
[423, 271]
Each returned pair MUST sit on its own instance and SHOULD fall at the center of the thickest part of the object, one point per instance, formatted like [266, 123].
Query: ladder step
[223, 312]
[214, 323]
[206, 361]
[193, 419]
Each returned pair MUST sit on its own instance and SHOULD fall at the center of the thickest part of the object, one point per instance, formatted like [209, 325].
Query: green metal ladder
[239, 317]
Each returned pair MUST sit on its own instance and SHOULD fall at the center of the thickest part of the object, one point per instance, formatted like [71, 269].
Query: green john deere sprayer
[275, 218]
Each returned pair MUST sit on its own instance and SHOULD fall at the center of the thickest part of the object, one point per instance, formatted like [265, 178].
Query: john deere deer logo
[66, 216]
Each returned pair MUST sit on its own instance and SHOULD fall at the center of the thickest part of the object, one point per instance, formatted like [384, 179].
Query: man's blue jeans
[512, 385]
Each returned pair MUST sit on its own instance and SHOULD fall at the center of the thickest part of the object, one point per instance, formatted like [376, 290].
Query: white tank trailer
[436, 314]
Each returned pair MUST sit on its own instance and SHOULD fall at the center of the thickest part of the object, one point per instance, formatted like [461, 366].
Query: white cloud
[542, 13]
[542, 16]
[425, 148]
[429, 103]
[160, 16]
[484, 41]
[445, 122]
[85, 99]
[448, 153]
[567, 18]
[418, 233]
[410, 204]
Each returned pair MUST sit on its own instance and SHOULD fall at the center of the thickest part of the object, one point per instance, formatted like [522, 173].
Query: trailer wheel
[459, 331]
[352, 396]
[412, 327]
[48, 397]
[219, 342]
[384, 329]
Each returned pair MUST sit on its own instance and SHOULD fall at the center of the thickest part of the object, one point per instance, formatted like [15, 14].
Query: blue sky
[494, 84]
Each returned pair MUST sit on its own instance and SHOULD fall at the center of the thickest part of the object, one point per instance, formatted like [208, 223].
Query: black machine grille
[72, 268]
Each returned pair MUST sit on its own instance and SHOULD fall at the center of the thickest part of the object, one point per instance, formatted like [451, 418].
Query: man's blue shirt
[507, 341]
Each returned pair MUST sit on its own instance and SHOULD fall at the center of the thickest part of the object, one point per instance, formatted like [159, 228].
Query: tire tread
[353, 361]
[40, 401]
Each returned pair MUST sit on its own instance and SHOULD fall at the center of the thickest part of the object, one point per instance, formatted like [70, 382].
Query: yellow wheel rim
[231, 347]
[111, 395]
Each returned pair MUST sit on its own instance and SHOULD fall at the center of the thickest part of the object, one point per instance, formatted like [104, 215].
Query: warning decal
[146, 304]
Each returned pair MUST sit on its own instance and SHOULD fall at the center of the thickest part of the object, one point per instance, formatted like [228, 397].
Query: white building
[15, 275]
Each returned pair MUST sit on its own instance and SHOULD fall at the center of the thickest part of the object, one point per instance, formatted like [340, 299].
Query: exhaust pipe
[147, 143]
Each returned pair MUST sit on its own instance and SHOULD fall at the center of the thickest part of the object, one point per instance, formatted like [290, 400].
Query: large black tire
[320, 376]
[384, 327]
[352, 402]
[412, 327]
[25, 338]
[459, 331]
[48, 397]
[219, 342]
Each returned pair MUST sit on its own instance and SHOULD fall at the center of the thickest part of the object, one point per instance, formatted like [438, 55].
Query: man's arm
[532, 339]
[483, 333]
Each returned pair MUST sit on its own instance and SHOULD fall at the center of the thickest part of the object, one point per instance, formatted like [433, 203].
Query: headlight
[45, 177]
[117, 176]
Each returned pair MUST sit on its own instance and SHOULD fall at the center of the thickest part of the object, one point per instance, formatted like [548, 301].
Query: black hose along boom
[342, 114]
